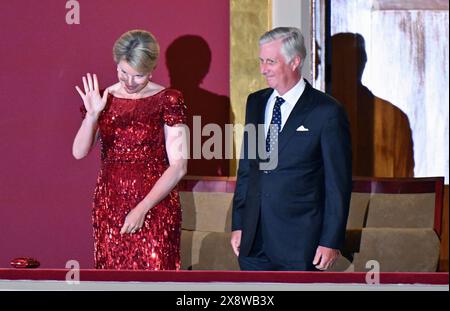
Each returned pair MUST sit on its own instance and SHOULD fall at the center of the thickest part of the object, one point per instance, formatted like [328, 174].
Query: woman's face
[131, 80]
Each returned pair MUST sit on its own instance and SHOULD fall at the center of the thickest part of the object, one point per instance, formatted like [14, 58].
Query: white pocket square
[301, 128]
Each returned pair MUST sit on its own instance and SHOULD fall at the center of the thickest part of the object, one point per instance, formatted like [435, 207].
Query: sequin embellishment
[133, 158]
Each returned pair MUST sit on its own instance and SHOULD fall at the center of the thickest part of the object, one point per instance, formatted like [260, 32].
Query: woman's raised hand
[92, 100]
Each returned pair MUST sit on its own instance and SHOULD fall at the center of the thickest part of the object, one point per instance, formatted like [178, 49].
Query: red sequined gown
[133, 158]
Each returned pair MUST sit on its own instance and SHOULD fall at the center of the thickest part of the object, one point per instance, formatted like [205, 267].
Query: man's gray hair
[293, 43]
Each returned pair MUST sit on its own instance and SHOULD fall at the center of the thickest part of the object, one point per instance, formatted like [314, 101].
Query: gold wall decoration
[249, 20]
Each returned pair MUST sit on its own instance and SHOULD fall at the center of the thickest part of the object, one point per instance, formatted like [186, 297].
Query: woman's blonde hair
[138, 48]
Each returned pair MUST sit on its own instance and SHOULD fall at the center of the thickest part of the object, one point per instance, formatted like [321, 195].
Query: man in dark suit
[292, 214]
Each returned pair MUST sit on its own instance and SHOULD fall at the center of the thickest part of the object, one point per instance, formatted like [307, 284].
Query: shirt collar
[292, 96]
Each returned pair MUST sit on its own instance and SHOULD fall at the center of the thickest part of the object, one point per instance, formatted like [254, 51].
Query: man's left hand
[325, 257]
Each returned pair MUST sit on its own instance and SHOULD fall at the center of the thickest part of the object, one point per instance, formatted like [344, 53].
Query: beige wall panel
[206, 211]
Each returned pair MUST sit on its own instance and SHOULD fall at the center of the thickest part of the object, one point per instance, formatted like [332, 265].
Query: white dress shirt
[291, 97]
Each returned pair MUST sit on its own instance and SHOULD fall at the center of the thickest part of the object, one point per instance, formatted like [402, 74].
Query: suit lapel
[261, 110]
[260, 118]
[298, 114]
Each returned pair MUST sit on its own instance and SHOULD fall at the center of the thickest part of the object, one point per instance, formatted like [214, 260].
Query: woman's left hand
[134, 220]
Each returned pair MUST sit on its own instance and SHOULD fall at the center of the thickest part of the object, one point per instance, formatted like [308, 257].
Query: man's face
[279, 75]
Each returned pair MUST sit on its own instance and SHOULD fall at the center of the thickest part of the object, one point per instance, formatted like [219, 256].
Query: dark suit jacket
[304, 201]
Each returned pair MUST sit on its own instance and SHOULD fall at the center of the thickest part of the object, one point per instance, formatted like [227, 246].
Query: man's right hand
[236, 241]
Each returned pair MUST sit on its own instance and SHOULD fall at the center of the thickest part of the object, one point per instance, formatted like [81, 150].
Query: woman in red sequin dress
[136, 210]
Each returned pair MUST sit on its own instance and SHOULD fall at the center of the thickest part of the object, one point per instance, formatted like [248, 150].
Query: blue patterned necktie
[272, 136]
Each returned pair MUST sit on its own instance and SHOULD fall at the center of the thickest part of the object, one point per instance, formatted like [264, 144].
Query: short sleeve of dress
[174, 109]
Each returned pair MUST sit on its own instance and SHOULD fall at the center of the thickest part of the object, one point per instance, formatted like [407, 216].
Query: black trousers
[258, 261]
